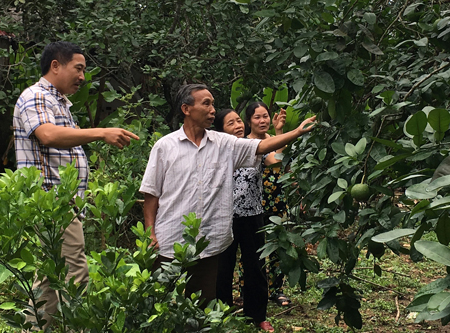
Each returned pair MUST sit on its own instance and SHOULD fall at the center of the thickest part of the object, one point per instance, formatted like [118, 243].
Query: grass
[383, 303]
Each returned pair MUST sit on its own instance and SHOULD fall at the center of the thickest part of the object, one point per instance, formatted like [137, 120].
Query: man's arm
[150, 209]
[275, 142]
[51, 135]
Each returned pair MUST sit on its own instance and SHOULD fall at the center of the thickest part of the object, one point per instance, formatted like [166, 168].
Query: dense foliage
[376, 73]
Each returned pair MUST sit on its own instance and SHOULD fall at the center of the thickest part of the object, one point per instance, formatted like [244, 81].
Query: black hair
[250, 111]
[61, 51]
[220, 116]
[184, 96]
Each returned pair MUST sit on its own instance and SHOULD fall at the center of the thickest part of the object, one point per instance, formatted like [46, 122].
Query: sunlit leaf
[434, 251]
[393, 234]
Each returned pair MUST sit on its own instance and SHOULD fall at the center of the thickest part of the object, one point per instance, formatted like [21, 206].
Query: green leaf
[434, 251]
[372, 48]
[324, 82]
[269, 248]
[350, 149]
[370, 18]
[439, 183]
[300, 50]
[387, 96]
[338, 148]
[335, 196]
[322, 154]
[356, 77]
[327, 56]
[4, 273]
[353, 318]
[419, 303]
[439, 302]
[322, 249]
[439, 120]
[420, 191]
[327, 302]
[416, 124]
[309, 265]
[421, 42]
[420, 207]
[388, 161]
[111, 96]
[342, 183]
[443, 229]
[8, 306]
[294, 276]
[237, 89]
[26, 255]
[361, 146]
[340, 217]
[265, 13]
[393, 234]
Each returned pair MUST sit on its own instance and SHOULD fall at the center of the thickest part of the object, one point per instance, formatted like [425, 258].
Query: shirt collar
[206, 136]
[45, 84]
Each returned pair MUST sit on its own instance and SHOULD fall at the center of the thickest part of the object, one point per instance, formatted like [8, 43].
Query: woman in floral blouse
[257, 121]
[247, 221]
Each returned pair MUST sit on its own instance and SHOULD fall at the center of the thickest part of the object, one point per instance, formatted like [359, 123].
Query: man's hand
[154, 241]
[51, 135]
[118, 137]
[279, 120]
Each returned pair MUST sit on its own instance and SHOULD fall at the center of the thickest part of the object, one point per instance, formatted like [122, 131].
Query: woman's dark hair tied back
[250, 111]
[219, 119]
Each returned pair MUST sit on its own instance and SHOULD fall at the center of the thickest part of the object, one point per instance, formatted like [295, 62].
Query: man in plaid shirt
[46, 137]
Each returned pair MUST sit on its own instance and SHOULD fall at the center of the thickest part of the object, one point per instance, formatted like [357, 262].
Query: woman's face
[260, 121]
[233, 124]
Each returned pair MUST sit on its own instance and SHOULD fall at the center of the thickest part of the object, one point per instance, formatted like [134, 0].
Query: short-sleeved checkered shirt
[38, 105]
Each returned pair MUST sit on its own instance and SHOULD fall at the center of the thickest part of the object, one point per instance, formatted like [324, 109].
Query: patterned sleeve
[35, 110]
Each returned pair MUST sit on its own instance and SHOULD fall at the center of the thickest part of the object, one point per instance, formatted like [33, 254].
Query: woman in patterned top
[247, 221]
[257, 119]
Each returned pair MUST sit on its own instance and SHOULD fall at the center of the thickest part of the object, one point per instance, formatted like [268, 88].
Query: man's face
[202, 113]
[71, 75]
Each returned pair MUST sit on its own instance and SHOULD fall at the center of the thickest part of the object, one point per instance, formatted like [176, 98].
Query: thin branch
[370, 150]
[398, 309]
[424, 79]
[283, 312]
[385, 270]
[357, 278]
[400, 13]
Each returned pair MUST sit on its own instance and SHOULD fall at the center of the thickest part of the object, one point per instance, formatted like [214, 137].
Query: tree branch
[400, 13]
[424, 79]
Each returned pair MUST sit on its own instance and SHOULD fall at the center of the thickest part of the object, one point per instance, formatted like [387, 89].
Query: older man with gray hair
[191, 170]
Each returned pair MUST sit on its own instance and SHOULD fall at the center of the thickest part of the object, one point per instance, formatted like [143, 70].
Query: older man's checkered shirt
[38, 105]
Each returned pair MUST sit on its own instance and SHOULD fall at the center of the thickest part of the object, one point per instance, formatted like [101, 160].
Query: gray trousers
[73, 250]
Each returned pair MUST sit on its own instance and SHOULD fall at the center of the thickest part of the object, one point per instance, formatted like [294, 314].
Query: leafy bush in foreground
[123, 295]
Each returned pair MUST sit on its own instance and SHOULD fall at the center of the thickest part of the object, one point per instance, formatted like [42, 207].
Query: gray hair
[184, 96]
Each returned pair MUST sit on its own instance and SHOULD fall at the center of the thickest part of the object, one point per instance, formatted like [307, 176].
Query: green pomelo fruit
[360, 192]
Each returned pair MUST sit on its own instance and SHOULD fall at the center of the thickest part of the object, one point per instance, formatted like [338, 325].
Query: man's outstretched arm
[275, 142]
[51, 135]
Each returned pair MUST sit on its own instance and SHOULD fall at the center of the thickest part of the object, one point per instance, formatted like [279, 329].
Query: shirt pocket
[215, 175]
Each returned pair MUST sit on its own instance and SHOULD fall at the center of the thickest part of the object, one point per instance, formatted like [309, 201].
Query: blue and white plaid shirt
[38, 105]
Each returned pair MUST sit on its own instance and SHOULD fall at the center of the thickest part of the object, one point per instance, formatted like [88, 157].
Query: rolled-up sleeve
[245, 153]
[153, 179]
